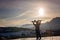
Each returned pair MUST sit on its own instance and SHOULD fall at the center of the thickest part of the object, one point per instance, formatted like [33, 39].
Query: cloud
[16, 12]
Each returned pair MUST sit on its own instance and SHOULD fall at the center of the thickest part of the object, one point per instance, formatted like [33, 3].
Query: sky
[19, 12]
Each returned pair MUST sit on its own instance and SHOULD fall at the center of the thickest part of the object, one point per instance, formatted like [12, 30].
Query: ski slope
[43, 38]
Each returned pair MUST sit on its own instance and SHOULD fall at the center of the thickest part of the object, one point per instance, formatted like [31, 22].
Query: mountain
[30, 26]
[54, 24]
[43, 26]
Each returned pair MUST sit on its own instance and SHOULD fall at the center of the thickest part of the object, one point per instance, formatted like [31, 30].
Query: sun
[41, 12]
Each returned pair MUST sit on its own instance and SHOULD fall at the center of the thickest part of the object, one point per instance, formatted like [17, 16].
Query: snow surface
[43, 38]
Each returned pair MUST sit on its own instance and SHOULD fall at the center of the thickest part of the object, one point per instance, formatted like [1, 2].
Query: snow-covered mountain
[54, 24]
[30, 26]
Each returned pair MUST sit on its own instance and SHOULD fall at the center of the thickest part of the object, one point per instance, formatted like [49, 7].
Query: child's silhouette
[37, 29]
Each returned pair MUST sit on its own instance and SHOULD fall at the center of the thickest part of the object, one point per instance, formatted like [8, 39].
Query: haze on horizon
[19, 12]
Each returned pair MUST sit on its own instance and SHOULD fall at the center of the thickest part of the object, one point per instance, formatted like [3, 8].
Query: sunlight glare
[41, 11]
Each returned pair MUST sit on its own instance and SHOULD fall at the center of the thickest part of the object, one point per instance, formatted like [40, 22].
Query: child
[37, 29]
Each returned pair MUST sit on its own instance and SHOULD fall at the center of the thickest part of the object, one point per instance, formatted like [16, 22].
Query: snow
[43, 38]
